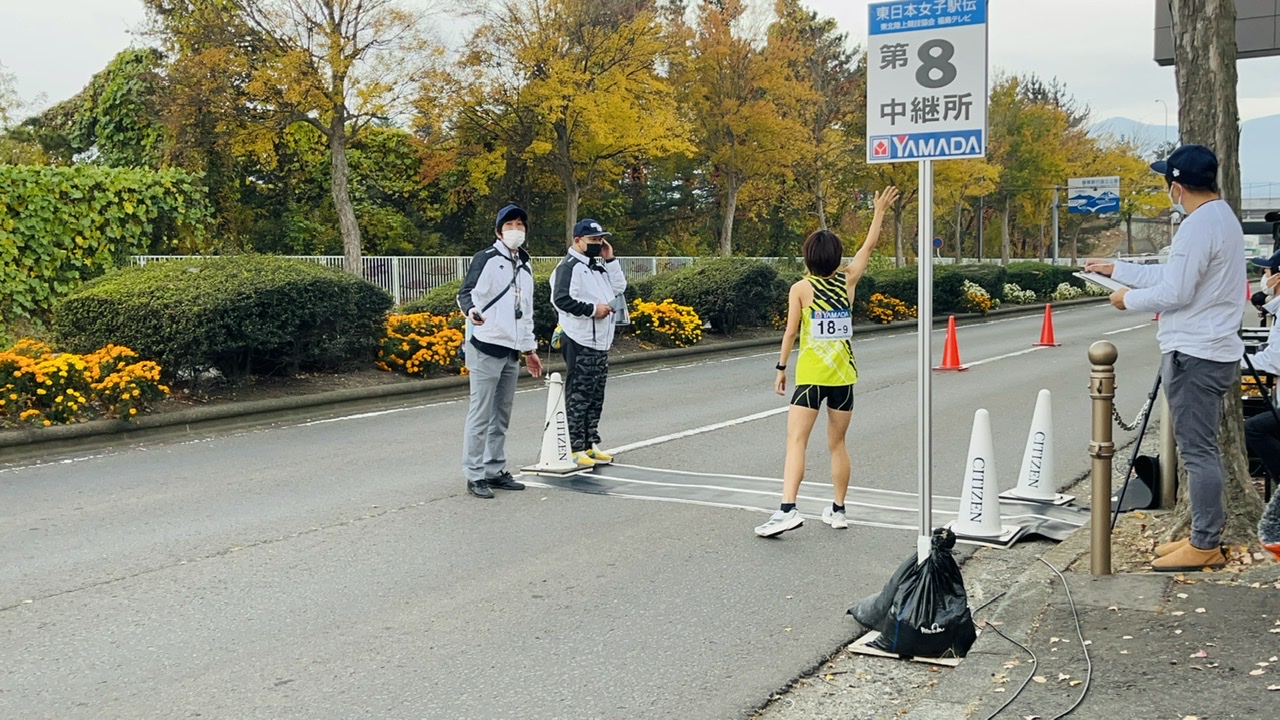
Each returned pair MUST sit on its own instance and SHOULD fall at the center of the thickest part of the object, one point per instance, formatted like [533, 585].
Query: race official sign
[927, 80]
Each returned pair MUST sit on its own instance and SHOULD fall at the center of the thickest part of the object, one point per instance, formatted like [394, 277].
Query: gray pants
[493, 390]
[1196, 389]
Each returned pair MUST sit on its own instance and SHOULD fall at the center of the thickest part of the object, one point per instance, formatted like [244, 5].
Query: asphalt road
[334, 567]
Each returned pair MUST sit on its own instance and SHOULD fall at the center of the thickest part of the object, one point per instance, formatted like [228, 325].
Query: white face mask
[1177, 206]
[513, 238]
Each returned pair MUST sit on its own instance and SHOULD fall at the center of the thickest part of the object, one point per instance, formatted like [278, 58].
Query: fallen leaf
[1182, 595]
[1177, 613]
[998, 690]
[1054, 639]
[1200, 653]
[1088, 642]
[1063, 676]
[1126, 637]
[786, 629]
[1124, 652]
[1113, 607]
[1273, 658]
[1263, 664]
[1258, 672]
[1273, 687]
[1040, 679]
[1190, 717]
[1199, 610]
[1177, 632]
[1010, 665]
[1074, 683]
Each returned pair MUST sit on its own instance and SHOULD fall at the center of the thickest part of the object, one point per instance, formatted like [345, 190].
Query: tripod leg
[1137, 448]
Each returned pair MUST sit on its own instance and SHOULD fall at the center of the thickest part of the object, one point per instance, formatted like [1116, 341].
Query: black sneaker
[504, 482]
[480, 489]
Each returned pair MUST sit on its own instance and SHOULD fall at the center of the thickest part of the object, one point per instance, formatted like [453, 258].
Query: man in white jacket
[583, 288]
[497, 298]
[1262, 432]
[1198, 294]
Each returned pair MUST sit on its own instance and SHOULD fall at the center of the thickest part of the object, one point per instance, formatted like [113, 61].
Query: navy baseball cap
[1271, 263]
[509, 213]
[1193, 165]
[588, 228]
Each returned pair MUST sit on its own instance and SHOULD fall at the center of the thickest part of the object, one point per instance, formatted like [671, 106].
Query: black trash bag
[923, 611]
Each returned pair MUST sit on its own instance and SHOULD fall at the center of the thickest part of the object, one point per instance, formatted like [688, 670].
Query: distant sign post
[1095, 195]
[926, 101]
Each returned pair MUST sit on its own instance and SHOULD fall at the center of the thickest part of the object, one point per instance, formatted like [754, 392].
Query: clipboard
[1101, 281]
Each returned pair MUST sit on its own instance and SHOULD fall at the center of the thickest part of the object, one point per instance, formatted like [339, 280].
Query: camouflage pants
[588, 370]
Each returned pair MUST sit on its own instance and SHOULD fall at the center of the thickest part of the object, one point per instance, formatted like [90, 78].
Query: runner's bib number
[832, 324]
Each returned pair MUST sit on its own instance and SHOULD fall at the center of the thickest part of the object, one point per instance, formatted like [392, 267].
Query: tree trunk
[897, 235]
[730, 209]
[1128, 233]
[959, 253]
[572, 196]
[1204, 45]
[1004, 234]
[347, 224]
[821, 202]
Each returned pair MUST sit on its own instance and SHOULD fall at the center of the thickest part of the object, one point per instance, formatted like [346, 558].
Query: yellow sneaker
[583, 459]
[601, 457]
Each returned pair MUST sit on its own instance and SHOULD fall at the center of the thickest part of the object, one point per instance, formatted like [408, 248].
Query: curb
[94, 428]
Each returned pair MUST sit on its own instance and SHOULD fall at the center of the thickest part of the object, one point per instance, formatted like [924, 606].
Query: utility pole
[1055, 224]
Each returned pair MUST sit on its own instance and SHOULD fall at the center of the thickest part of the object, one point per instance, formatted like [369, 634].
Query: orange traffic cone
[951, 351]
[1046, 330]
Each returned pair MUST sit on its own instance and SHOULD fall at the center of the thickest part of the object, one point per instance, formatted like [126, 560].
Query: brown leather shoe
[1190, 559]
[1165, 549]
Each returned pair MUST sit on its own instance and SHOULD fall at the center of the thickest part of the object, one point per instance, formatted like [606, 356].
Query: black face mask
[593, 250]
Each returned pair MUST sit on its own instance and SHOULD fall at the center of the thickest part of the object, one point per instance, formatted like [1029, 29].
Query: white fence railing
[409, 278]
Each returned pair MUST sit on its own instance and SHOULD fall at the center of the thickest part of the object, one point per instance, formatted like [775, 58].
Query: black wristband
[780, 367]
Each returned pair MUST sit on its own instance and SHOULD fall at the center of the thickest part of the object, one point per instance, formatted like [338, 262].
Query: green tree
[337, 65]
[736, 90]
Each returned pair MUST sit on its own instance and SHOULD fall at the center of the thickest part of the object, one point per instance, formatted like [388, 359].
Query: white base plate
[1058, 498]
[553, 471]
[1009, 534]
[862, 646]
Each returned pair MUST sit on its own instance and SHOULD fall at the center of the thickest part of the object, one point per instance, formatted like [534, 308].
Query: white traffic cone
[1036, 478]
[979, 515]
[556, 457]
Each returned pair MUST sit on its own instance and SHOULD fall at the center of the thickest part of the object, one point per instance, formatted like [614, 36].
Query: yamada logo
[965, 143]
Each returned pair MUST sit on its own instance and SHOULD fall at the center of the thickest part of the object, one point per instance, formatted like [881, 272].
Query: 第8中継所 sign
[927, 80]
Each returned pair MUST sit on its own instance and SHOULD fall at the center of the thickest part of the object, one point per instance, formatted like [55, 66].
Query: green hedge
[242, 314]
[948, 284]
[61, 226]
[1043, 278]
[727, 292]
[443, 300]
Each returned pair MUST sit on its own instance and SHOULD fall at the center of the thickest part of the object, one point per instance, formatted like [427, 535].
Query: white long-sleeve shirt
[1200, 292]
[1268, 359]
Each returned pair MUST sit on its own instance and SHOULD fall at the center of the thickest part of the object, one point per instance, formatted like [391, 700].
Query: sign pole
[924, 355]
[1055, 224]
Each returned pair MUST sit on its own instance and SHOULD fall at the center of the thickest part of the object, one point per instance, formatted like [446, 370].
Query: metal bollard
[1102, 388]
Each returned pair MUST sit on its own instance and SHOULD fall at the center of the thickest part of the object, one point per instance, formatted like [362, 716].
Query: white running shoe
[779, 523]
[836, 520]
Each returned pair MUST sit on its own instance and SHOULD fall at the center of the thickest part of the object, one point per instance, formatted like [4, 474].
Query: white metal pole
[924, 352]
[1055, 224]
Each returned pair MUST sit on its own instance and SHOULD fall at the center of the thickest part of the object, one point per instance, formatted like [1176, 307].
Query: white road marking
[1121, 330]
[697, 431]
[1003, 357]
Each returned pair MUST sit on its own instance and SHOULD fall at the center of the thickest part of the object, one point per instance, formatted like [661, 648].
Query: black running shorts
[837, 397]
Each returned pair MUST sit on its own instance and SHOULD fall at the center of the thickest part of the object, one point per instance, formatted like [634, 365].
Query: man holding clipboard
[1198, 295]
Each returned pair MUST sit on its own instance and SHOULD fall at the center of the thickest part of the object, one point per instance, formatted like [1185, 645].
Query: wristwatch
[780, 366]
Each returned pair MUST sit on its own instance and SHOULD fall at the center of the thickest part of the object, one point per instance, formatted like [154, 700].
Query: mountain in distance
[1259, 148]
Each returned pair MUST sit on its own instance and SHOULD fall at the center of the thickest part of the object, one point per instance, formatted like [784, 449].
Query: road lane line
[1003, 357]
[698, 430]
[1135, 327]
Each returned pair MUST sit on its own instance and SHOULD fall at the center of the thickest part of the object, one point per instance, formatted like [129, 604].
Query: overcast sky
[1101, 49]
